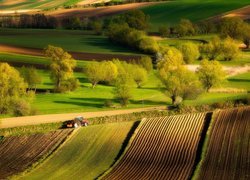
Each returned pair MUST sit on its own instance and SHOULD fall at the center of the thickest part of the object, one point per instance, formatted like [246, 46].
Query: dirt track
[76, 55]
[42, 119]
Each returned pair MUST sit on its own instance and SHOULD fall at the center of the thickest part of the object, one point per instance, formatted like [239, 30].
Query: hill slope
[163, 148]
[17, 153]
[87, 154]
[228, 148]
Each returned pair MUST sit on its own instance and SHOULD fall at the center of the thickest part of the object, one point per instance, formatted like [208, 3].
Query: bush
[108, 103]
[146, 63]
[190, 52]
[21, 108]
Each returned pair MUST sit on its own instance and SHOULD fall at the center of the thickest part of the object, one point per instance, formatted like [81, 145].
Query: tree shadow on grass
[84, 102]
[239, 80]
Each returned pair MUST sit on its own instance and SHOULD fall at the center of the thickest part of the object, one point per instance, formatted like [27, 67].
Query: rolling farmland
[228, 151]
[87, 154]
[163, 148]
[17, 153]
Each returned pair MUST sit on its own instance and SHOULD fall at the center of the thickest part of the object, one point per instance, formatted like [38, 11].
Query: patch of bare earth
[243, 13]
[99, 11]
[90, 2]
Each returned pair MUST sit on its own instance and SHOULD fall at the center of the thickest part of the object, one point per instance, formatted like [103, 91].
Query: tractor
[76, 122]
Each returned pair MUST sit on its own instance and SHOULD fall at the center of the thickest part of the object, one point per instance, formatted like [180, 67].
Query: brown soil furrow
[161, 149]
[23, 151]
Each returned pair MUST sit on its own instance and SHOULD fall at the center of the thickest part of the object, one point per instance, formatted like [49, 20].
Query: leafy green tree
[12, 87]
[179, 82]
[148, 45]
[139, 75]
[62, 66]
[94, 73]
[185, 28]
[211, 74]
[110, 71]
[146, 63]
[136, 19]
[123, 88]
[190, 52]
[31, 77]
[233, 27]
[246, 35]
[170, 57]
[212, 50]
[97, 27]
[164, 31]
[230, 49]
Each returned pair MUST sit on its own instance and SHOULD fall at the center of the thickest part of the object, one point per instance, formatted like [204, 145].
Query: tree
[233, 27]
[136, 19]
[185, 28]
[139, 75]
[164, 31]
[190, 52]
[212, 50]
[230, 49]
[246, 35]
[94, 73]
[97, 26]
[122, 90]
[179, 82]
[61, 66]
[31, 77]
[210, 73]
[146, 63]
[148, 45]
[12, 87]
[110, 71]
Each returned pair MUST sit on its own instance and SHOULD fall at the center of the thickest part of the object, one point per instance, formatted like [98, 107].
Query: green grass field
[87, 99]
[77, 40]
[171, 12]
[88, 153]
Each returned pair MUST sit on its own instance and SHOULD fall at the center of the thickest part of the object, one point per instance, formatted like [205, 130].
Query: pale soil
[99, 11]
[243, 13]
[42, 119]
[89, 2]
[230, 70]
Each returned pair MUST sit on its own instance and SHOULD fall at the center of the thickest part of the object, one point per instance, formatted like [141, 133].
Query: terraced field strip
[228, 153]
[163, 148]
[89, 152]
[17, 153]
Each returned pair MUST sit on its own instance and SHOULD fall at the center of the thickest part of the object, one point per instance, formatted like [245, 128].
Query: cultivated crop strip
[163, 148]
[17, 153]
[228, 153]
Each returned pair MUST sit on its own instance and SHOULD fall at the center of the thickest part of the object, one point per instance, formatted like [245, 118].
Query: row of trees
[233, 27]
[180, 83]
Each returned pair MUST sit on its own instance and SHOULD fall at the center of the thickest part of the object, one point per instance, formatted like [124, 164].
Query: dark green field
[171, 12]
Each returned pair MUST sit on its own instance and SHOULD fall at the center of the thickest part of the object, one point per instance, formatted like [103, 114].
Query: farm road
[51, 118]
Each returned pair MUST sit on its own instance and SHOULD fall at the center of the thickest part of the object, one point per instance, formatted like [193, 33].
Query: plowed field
[163, 148]
[228, 153]
[17, 153]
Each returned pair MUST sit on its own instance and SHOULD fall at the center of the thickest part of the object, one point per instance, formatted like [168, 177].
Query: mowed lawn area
[171, 12]
[88, 153]
[77, 40]
[86, 98]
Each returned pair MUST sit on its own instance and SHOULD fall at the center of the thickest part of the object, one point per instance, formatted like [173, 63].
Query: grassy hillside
[171, 12]
[87, 154]
[79, 41]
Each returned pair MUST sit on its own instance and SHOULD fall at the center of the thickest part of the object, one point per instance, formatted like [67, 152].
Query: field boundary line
[126, 149]
[204, 149]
